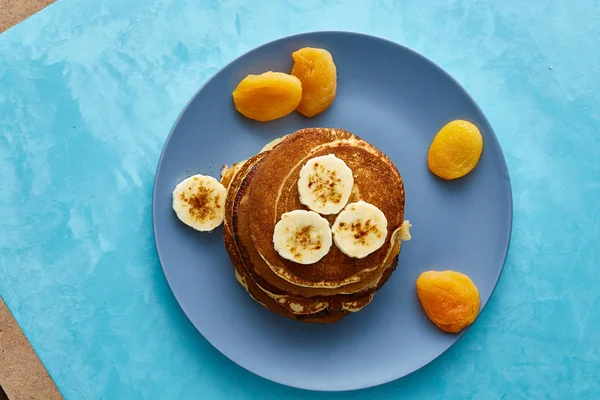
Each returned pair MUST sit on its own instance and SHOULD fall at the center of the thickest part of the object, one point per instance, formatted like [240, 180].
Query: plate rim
[493, 136]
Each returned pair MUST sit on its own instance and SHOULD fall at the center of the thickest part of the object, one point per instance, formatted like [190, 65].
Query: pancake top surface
[246, 258]
[273, 191]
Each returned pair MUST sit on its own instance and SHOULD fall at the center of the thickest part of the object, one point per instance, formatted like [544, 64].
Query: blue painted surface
[89, 91]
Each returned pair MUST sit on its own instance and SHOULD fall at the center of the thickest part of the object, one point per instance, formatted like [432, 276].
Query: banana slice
[199, 202]
[325, 184]
[405, 231]
[360, 229]
[302, 236]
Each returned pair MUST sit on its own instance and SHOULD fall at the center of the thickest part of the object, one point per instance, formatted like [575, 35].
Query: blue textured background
[89, 91]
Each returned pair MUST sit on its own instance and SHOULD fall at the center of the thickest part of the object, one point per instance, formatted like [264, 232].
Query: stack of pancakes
[262, 188]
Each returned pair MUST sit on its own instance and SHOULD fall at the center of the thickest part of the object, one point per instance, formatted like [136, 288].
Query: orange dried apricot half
[455, 150]
[450, 299]
[267, 96]
[317, 72]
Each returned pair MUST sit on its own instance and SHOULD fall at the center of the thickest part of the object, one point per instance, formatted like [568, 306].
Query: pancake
[265, 186]
[309, 312]
[273, 191]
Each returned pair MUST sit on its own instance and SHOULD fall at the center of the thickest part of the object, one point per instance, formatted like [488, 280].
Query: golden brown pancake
[242, 274]
[265, 186]
[274, 191]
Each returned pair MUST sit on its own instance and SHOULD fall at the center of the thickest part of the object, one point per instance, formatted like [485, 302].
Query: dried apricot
[450, 299]
[317, 72]
[267, 96]
[455, 150]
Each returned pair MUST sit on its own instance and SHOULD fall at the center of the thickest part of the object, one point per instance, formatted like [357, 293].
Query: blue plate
[397, 100]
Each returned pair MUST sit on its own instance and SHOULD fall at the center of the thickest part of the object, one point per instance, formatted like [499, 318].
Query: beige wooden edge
[14, 11]
[22, 375]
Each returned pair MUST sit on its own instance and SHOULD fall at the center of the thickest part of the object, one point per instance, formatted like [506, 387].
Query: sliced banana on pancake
[325, 184]
[302, 236]
[199, 202]
[360, 229]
